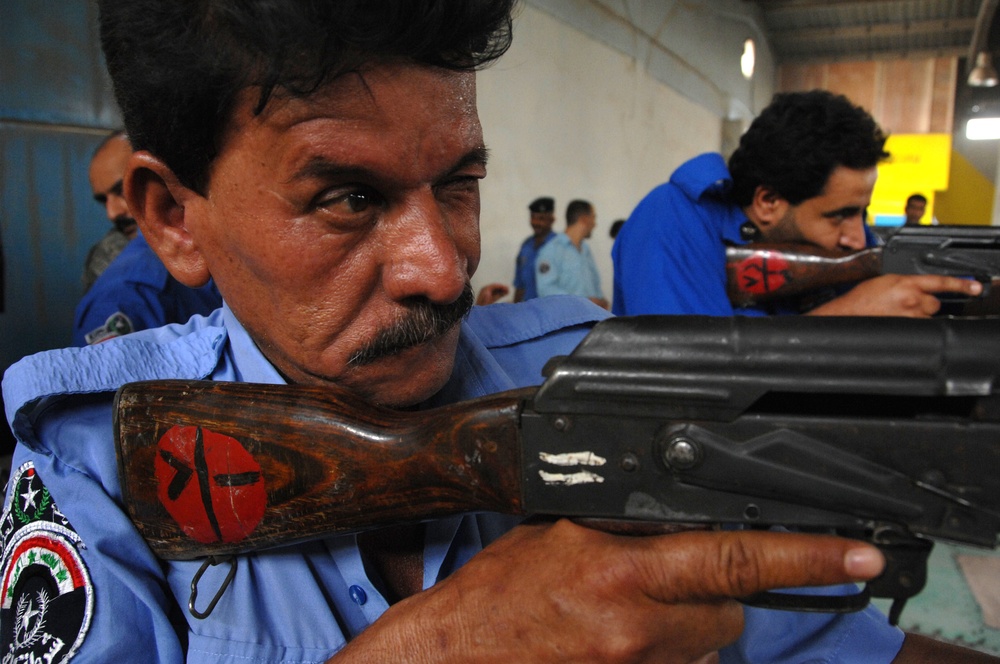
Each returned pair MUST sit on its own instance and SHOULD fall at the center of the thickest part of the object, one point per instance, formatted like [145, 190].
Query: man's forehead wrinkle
[327, 134]
[319, 166]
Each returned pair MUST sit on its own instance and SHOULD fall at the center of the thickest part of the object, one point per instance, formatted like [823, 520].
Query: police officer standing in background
[542, 218]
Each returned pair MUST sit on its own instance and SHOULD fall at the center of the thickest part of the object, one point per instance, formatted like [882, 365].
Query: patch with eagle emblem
[47, 597]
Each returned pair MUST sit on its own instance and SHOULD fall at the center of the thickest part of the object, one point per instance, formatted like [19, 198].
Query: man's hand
[897, 295]
[564, 593]
[490, 293]
[601, 302]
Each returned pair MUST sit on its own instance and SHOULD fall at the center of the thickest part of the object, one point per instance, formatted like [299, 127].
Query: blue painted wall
[55, 107]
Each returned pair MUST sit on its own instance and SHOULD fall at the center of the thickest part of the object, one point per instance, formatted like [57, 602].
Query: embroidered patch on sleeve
[117, 325]
[47, 597]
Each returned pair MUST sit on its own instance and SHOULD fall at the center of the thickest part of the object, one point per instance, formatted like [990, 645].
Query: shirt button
[358, 594]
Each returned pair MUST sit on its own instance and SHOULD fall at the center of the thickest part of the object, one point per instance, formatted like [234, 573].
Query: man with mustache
[131, 289]
[320, 162]
[106, 169]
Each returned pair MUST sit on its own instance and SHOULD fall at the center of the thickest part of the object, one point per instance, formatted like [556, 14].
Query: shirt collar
[704, 174]
[250, 364]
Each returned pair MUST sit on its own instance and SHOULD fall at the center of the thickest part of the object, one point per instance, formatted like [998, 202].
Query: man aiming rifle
[320, 162]
[804, 172]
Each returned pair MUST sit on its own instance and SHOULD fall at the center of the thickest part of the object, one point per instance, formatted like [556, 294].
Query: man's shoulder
[555, 245]
[137, 263]
[506, 324]
[109, 246]
[705, 174]
[190, 351]
[505, 346]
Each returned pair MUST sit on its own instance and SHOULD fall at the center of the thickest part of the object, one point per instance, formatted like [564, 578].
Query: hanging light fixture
[984, 74]
[747, 59]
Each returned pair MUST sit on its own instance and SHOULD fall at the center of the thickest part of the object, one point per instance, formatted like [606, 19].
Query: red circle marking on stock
[762, 273]
[211, 486]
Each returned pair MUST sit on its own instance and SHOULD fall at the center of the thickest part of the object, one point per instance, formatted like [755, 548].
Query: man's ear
[767, 208]
[164, 209]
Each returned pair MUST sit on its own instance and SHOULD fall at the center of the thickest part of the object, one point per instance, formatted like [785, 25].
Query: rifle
[762, 273]
[880, 429]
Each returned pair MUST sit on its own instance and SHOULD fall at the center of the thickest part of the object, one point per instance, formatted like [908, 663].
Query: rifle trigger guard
[810, 603]
[213, 561]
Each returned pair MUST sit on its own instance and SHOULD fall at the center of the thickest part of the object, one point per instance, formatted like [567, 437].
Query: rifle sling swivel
[213, 561]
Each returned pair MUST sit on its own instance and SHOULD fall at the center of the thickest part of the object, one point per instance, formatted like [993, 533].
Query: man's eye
[352, 202]
[358, 201]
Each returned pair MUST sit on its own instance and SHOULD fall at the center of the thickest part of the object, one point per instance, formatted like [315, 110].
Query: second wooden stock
[210, 468]
[760, 273]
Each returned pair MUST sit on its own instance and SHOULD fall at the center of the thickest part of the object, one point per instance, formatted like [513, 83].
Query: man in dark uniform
[106, 169]
[542, 218]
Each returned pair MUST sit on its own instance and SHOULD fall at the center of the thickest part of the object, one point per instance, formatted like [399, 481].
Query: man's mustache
[423, 321]
[123, 223]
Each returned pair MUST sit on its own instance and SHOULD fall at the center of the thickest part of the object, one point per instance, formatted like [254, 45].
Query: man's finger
[936, 283]
[741, 563]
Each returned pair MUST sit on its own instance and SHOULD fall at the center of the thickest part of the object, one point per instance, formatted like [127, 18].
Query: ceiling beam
[805, 4]
[961, 26]
[813, 57]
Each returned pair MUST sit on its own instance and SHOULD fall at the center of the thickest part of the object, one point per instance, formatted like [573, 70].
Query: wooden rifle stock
[800, 274]
[759, 274]
[236, 479]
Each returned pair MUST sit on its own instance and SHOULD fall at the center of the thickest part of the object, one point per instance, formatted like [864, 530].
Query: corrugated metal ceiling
[833, 30]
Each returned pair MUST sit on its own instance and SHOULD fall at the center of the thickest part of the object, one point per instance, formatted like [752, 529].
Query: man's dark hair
[798, 140]
[616, 228]
[177, 65]
[577, 209]
[916, 197]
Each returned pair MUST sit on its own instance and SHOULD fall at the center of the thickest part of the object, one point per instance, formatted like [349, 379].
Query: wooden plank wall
[911, 96]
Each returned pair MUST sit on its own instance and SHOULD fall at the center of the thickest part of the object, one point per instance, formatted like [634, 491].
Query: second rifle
[762, 273]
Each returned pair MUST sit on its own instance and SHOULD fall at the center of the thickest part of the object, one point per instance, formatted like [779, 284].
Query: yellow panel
[969, 199]
[918, 164]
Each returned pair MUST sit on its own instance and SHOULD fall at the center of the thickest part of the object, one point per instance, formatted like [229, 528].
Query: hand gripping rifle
[886, 430]
[761, 273]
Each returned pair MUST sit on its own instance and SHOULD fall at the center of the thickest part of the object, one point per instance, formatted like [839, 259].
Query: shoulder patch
[544, 267]
[47, 599]
[117, 325]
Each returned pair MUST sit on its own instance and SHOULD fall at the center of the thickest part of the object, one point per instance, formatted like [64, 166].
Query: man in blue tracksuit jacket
[804, 172]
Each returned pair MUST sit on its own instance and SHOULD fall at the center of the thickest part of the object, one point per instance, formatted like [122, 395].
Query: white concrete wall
[565, 115]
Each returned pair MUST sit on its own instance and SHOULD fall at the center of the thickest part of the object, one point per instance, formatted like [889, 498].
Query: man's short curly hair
[798, 140]
[177, 66]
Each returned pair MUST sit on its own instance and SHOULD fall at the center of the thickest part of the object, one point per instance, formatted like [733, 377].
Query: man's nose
[115, 206]
[852, 235]
[426, 256]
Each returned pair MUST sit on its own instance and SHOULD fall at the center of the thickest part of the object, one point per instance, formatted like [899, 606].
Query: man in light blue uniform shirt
[344, 259]
[542, 217]
[565, 265]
